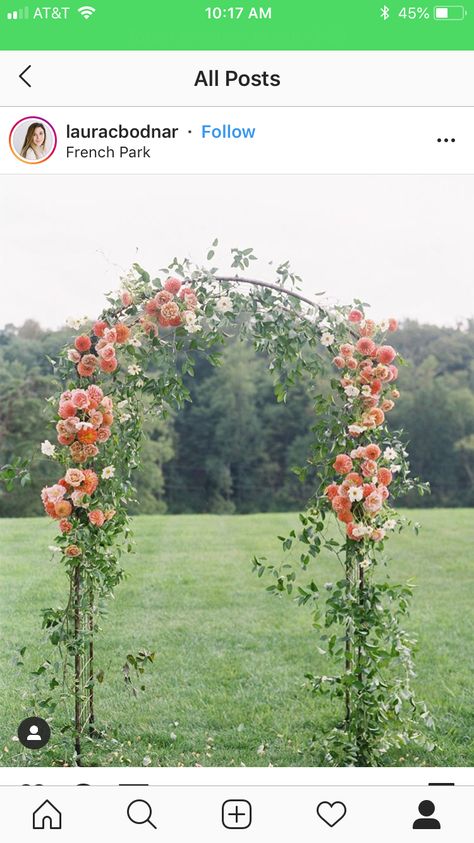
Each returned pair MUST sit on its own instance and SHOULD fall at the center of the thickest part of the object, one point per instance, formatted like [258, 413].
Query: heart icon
[331, 813]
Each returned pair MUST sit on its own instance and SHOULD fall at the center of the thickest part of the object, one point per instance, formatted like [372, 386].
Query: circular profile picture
[33, 140]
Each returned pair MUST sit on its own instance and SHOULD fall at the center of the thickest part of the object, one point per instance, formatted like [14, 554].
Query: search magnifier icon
[139, 812]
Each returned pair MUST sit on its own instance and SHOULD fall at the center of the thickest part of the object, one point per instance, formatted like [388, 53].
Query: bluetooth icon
[385, 13]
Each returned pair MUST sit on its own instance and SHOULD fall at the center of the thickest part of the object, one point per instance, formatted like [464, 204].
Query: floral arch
[133, 361]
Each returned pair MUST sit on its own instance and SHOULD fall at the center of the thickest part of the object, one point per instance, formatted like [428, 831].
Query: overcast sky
[405, 244]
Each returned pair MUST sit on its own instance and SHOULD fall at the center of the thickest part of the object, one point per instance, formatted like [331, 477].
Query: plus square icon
[236, 813]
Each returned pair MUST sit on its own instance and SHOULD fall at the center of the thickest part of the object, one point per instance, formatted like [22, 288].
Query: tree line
[233, 447]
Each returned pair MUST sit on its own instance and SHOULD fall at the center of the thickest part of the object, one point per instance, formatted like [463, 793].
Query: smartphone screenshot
[236, 421]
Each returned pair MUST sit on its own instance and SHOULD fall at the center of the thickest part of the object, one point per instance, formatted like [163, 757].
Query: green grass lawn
[227, 684]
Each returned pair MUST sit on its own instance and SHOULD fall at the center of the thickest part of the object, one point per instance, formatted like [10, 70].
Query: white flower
[173, 736]
[75, 323]
[108, 472]
[395, 468]
[327, 339]
[124, 417]
[351, 391]
[355, 493]
[384, 325]
[390, 524]
[139, 383]
[193, 329]
[362, 530]
[146, 761]
[134, 369]
[324, 325]
[54, 549]
[84, 426]
[365, 564]
[223, 304]
[366, 390]
[390, 454]
[47, 448]
[189, 317]
[355, 429]
[135, 342]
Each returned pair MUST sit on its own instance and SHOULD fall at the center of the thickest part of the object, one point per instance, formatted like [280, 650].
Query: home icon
[47, 816]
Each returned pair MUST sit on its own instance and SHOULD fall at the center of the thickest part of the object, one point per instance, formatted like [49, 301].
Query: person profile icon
[426, 809]
[34, 734]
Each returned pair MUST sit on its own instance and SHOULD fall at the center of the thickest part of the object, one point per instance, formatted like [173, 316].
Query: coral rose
[96, 418]
[73, 550]
[79, 398]
[366, 346]
[392, 324]
[351, 363]
[385, 354]
[95, 395]
[377, 415]
[65, 526]
[385, 476]
[103, 434]
[109, 366]
[369, 468]
[107, 418]
[355, 315]
[163, 297]
[373, 503]
[339, 362]
[339, 503]
[90, 482]
[63, 509]
[367, 489]
[66, 409]
[110, 335]
[353, 479]
[372, 452]
[66, 438]
[331, 491]
[99, 328]
[82, 343]
[87, 436]
[173, 285]
[347, 349]
[170, 310]
[73, 355]
[74, 477]
[345, 516]
[126, 298]
[89, 361]
[342, 464]
[122, 331]
[106, 352]
[84, 371]
[96, 517]
[151, 307]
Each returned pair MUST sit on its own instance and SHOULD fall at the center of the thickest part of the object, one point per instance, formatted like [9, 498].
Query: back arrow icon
[22, 75]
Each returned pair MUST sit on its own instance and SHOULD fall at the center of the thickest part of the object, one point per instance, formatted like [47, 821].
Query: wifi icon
[86, 11]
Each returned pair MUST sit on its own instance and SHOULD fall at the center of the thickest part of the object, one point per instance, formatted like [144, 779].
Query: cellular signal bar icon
[19, 14]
